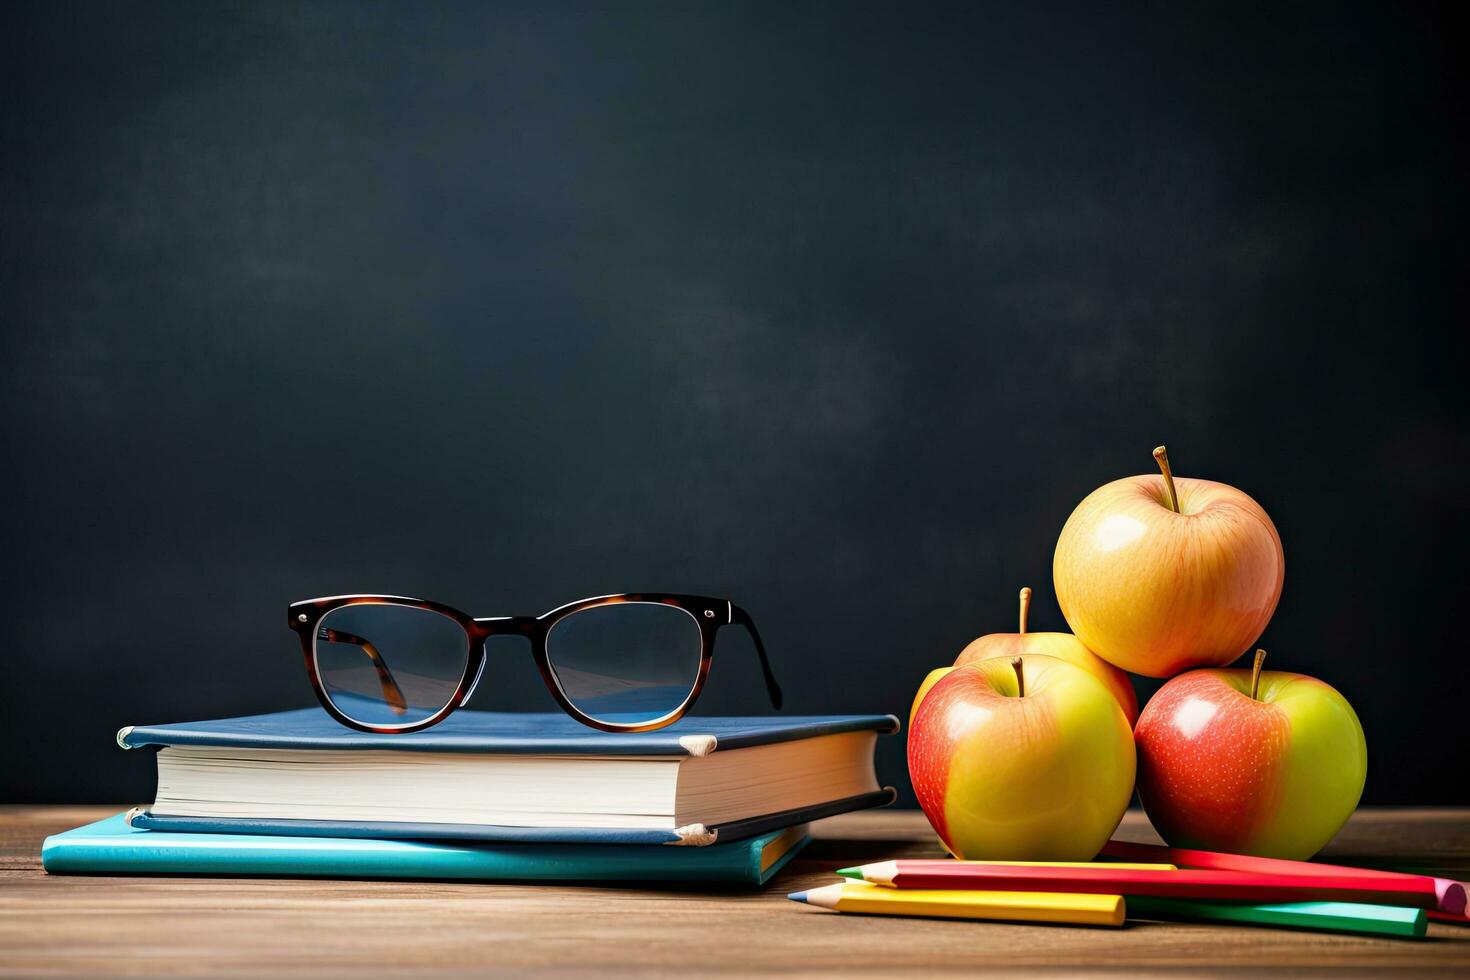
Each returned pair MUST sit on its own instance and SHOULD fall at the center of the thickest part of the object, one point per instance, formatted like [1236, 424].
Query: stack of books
[483, 796]
[1143, 881]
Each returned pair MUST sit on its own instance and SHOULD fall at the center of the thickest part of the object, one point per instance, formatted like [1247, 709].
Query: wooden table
[54, 926]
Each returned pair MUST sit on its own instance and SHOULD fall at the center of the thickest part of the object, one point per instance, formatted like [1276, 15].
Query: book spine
[340, 859]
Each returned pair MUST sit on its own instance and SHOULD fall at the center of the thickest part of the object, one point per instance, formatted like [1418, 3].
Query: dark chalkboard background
[836, 310]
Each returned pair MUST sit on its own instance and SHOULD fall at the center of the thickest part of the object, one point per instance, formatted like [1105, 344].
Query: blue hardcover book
[510, 776]
[112, 847]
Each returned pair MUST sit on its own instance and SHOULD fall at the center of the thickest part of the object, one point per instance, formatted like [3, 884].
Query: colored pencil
[1236, 886]
[1001, 906]
[1450, 895]
[1373, 920]
[857, 873]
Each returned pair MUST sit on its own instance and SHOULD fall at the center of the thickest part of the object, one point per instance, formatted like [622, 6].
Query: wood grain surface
[133, 926]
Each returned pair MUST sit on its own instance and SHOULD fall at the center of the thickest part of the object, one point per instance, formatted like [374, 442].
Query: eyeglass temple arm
[392, 693]
[740, 616]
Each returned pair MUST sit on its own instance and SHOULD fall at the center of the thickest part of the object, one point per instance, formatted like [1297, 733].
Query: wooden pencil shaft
[883, 872]
[1075, 909]
[1188, 883]
[1450, 895]
[1378, 920]
[1221, 861]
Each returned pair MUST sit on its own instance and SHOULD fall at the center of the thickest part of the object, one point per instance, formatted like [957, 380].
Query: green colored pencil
[1371, 920]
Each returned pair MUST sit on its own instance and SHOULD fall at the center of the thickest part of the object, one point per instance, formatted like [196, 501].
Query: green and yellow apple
[1270, 764]
[1029, 759]
[1157, 575]
[1063, 646]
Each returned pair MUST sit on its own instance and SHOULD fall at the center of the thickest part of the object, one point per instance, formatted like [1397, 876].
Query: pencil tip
[797, 896]
[851, 873]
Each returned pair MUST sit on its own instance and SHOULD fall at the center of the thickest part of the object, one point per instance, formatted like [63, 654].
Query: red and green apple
[1265, 763]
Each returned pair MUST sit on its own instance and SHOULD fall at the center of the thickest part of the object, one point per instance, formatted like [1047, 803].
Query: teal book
[111, 846]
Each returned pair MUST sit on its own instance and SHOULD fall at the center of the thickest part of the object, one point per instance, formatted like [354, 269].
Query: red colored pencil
[1450, 894]
[1238, 886]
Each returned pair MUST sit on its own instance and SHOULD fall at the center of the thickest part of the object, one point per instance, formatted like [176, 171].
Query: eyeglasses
[618, 663]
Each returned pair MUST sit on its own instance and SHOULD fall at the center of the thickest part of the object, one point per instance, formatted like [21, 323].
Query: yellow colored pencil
[861, 897]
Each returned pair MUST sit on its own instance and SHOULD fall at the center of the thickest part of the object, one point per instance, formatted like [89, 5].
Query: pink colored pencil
[1238, 886]
[1449, 895]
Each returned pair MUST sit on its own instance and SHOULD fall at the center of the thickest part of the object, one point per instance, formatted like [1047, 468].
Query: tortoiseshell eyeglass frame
[710, 614]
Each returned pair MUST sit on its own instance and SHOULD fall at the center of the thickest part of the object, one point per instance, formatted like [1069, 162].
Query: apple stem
[1020, 677]
[1025, 606]
[1256, 674]
[1162, 456]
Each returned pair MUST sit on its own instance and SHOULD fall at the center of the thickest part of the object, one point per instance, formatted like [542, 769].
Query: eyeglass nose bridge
[488, 626]
[506, 625]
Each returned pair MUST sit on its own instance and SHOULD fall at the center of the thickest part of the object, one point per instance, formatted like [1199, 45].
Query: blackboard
[835, 309]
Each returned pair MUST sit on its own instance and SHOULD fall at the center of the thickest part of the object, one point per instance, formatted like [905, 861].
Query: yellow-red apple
[1157, 575]
[1270, 764]
[1024, 760]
